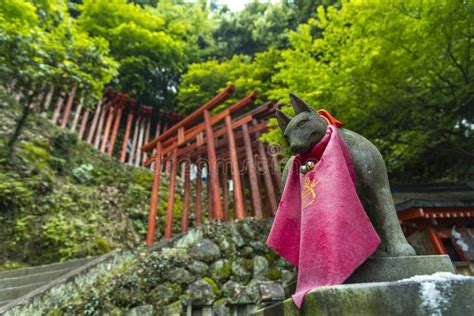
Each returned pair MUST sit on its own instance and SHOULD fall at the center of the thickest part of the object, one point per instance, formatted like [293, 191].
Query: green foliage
[14, 193]
[153, 45]
[400, 74]
[40, 46]
[84, 173]
[215, 287]
[204, 80]
[260, 26]
[274, 274]
[60, 200]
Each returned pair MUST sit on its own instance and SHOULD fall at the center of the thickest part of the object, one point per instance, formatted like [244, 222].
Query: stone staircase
[19, 282]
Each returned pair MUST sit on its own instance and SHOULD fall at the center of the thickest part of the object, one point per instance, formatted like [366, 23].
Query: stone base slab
[438, 294]
[385, 269]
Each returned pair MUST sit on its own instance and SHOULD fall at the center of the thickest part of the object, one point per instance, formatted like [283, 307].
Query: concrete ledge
[12, 293]
[71, 264]
[439, 294]
[31, 278]
[84, 265]
[33, 301]
[385, 269]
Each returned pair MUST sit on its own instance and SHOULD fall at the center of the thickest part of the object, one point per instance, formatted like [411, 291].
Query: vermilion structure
[242, 177]
[226, 142]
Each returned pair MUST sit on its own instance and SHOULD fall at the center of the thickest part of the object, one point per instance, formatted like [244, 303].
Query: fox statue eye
[302, 123]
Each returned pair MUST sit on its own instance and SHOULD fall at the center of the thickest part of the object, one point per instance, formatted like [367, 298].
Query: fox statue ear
[282, 119]
[299, 105]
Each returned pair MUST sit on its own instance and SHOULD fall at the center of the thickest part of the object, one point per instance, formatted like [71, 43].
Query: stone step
[12, 293]
[32, 278]
[71, 264]
[4, 302]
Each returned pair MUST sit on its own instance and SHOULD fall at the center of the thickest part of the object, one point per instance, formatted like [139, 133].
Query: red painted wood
[67, 110]
[267, 175]
[181, 136]
[174, 141]
[252, 172]
[154, 196]
[171, 195]
[437, 243]
[100, 125]
[219, 132]
[212, 170]
[218, 99]
[187, 189]
[85, 118]
[108, 126]
[234, 163]
[113, 137]
[198, 210]
[126, 136]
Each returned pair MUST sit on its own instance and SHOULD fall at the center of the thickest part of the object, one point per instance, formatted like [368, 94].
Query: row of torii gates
[228, 144]
[225, 145]
[101, 127]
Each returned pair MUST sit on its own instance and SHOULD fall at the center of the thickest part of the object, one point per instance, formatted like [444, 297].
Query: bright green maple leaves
[398, 73]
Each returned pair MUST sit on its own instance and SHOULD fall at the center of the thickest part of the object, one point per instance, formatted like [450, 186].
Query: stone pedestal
[387, 269]
[417, 285]
[442, 293]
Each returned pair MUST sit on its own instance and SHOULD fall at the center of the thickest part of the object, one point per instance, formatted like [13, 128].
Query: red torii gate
[231, 135]
[101, 127]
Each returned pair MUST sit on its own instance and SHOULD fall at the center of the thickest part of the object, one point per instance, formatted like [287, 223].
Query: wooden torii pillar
[131, 112]
[100, 126]
[85, 118]
[146, 112]
[169, 141]
[77, 115]
[252, 173]
[237, 184]
[109, 96]
[108, 125]
[187, 194]
[154, 195]
[171, 194]
[121, 101]
[95, 121]
[57, 109]
[67, 110]
[212, 172]
[266, 175]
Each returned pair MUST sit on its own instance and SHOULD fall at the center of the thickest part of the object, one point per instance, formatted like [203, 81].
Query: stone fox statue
[307, 128]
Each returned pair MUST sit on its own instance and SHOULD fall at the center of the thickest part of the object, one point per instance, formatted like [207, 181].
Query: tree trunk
[18, 129]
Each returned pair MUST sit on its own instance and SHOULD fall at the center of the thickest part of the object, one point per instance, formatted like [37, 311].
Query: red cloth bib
[320, 225]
